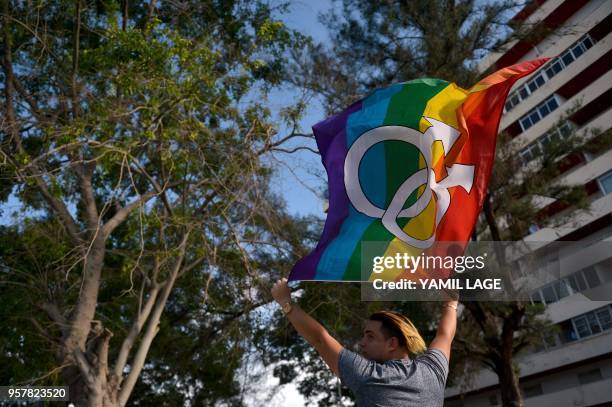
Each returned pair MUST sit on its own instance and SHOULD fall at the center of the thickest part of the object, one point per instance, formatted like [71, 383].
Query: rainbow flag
[407, 166]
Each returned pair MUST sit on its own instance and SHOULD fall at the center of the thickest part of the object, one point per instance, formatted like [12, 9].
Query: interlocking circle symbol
[457, 175]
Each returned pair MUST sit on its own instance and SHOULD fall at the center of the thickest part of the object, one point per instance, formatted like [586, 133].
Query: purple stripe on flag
[330, 135]
[327, 130]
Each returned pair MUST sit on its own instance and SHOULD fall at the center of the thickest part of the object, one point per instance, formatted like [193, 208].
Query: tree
[132, 137]
[377, 43]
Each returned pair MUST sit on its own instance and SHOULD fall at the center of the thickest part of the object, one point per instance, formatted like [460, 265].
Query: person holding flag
[408, 168]
[394, 367]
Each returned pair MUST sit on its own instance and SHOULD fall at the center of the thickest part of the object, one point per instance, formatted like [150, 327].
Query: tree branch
[61, 210]
[87, 194]
[84, 367]
[192, 265]
[135, 329]
[123, 213]
[31, 102]
[102, 352]
[161, 191]
[152, 326]
[75, 57]
[54, 313]
[267, 147]
[150, 11]
[293, 150]
[124, 19]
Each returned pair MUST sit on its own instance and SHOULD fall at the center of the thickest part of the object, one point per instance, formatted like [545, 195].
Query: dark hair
[395, 324]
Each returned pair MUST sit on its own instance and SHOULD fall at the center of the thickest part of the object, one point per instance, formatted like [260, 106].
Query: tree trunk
[81, 375]
[91, 383]
[487, 209]
[80, 322]
[103, 395]
[508, 374]
[509, 382]
[76, 384]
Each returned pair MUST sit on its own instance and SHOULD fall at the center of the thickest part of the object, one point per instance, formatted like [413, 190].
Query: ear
[393, 343]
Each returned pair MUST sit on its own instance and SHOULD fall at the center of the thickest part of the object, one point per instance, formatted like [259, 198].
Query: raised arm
[446, 328]
[314, 333]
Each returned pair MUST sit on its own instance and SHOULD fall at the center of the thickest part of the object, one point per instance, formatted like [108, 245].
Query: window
[552, 104]
[573, 282]
[590, 376]
[578, 50]
[581, 283]
[554, 68]
[549, 294]
[538, 147]
[590, 323]
[524, 154]
[546, 139]
[590, 274]
[538, 80]
[551, 69]
[605, 183]
[582, 327]
[525, 123]
[561, 289]
[568, 332]
[605, 318]
[539, 112]
[532, 85]
[567, 58]
[593, 323]
[515, 100]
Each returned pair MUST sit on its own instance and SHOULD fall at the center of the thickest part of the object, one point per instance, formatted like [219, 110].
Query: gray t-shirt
[400, 382]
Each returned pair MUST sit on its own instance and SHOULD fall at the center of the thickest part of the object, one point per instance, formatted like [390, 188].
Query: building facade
[570, 93]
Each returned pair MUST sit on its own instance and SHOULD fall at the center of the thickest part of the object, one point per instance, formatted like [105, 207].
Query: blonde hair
[395, 324]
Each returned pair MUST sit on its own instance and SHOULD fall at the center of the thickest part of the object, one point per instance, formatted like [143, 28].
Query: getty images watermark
[411, 264]
[487, 271]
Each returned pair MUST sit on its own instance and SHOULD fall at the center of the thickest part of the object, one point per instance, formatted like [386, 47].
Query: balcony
[600, 207]
[598, 88]
[590, 57]
[537, 363]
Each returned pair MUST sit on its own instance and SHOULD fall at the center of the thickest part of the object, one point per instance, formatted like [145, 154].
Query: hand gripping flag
[409, 166]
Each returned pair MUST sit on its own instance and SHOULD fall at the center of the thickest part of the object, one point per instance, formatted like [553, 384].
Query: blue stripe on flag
[336, 256]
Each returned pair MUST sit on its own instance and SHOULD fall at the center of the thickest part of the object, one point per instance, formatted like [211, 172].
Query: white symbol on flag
[457, 175]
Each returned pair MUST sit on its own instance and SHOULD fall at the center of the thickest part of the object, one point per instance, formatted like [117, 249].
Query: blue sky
[294, 179]
[303, 16]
